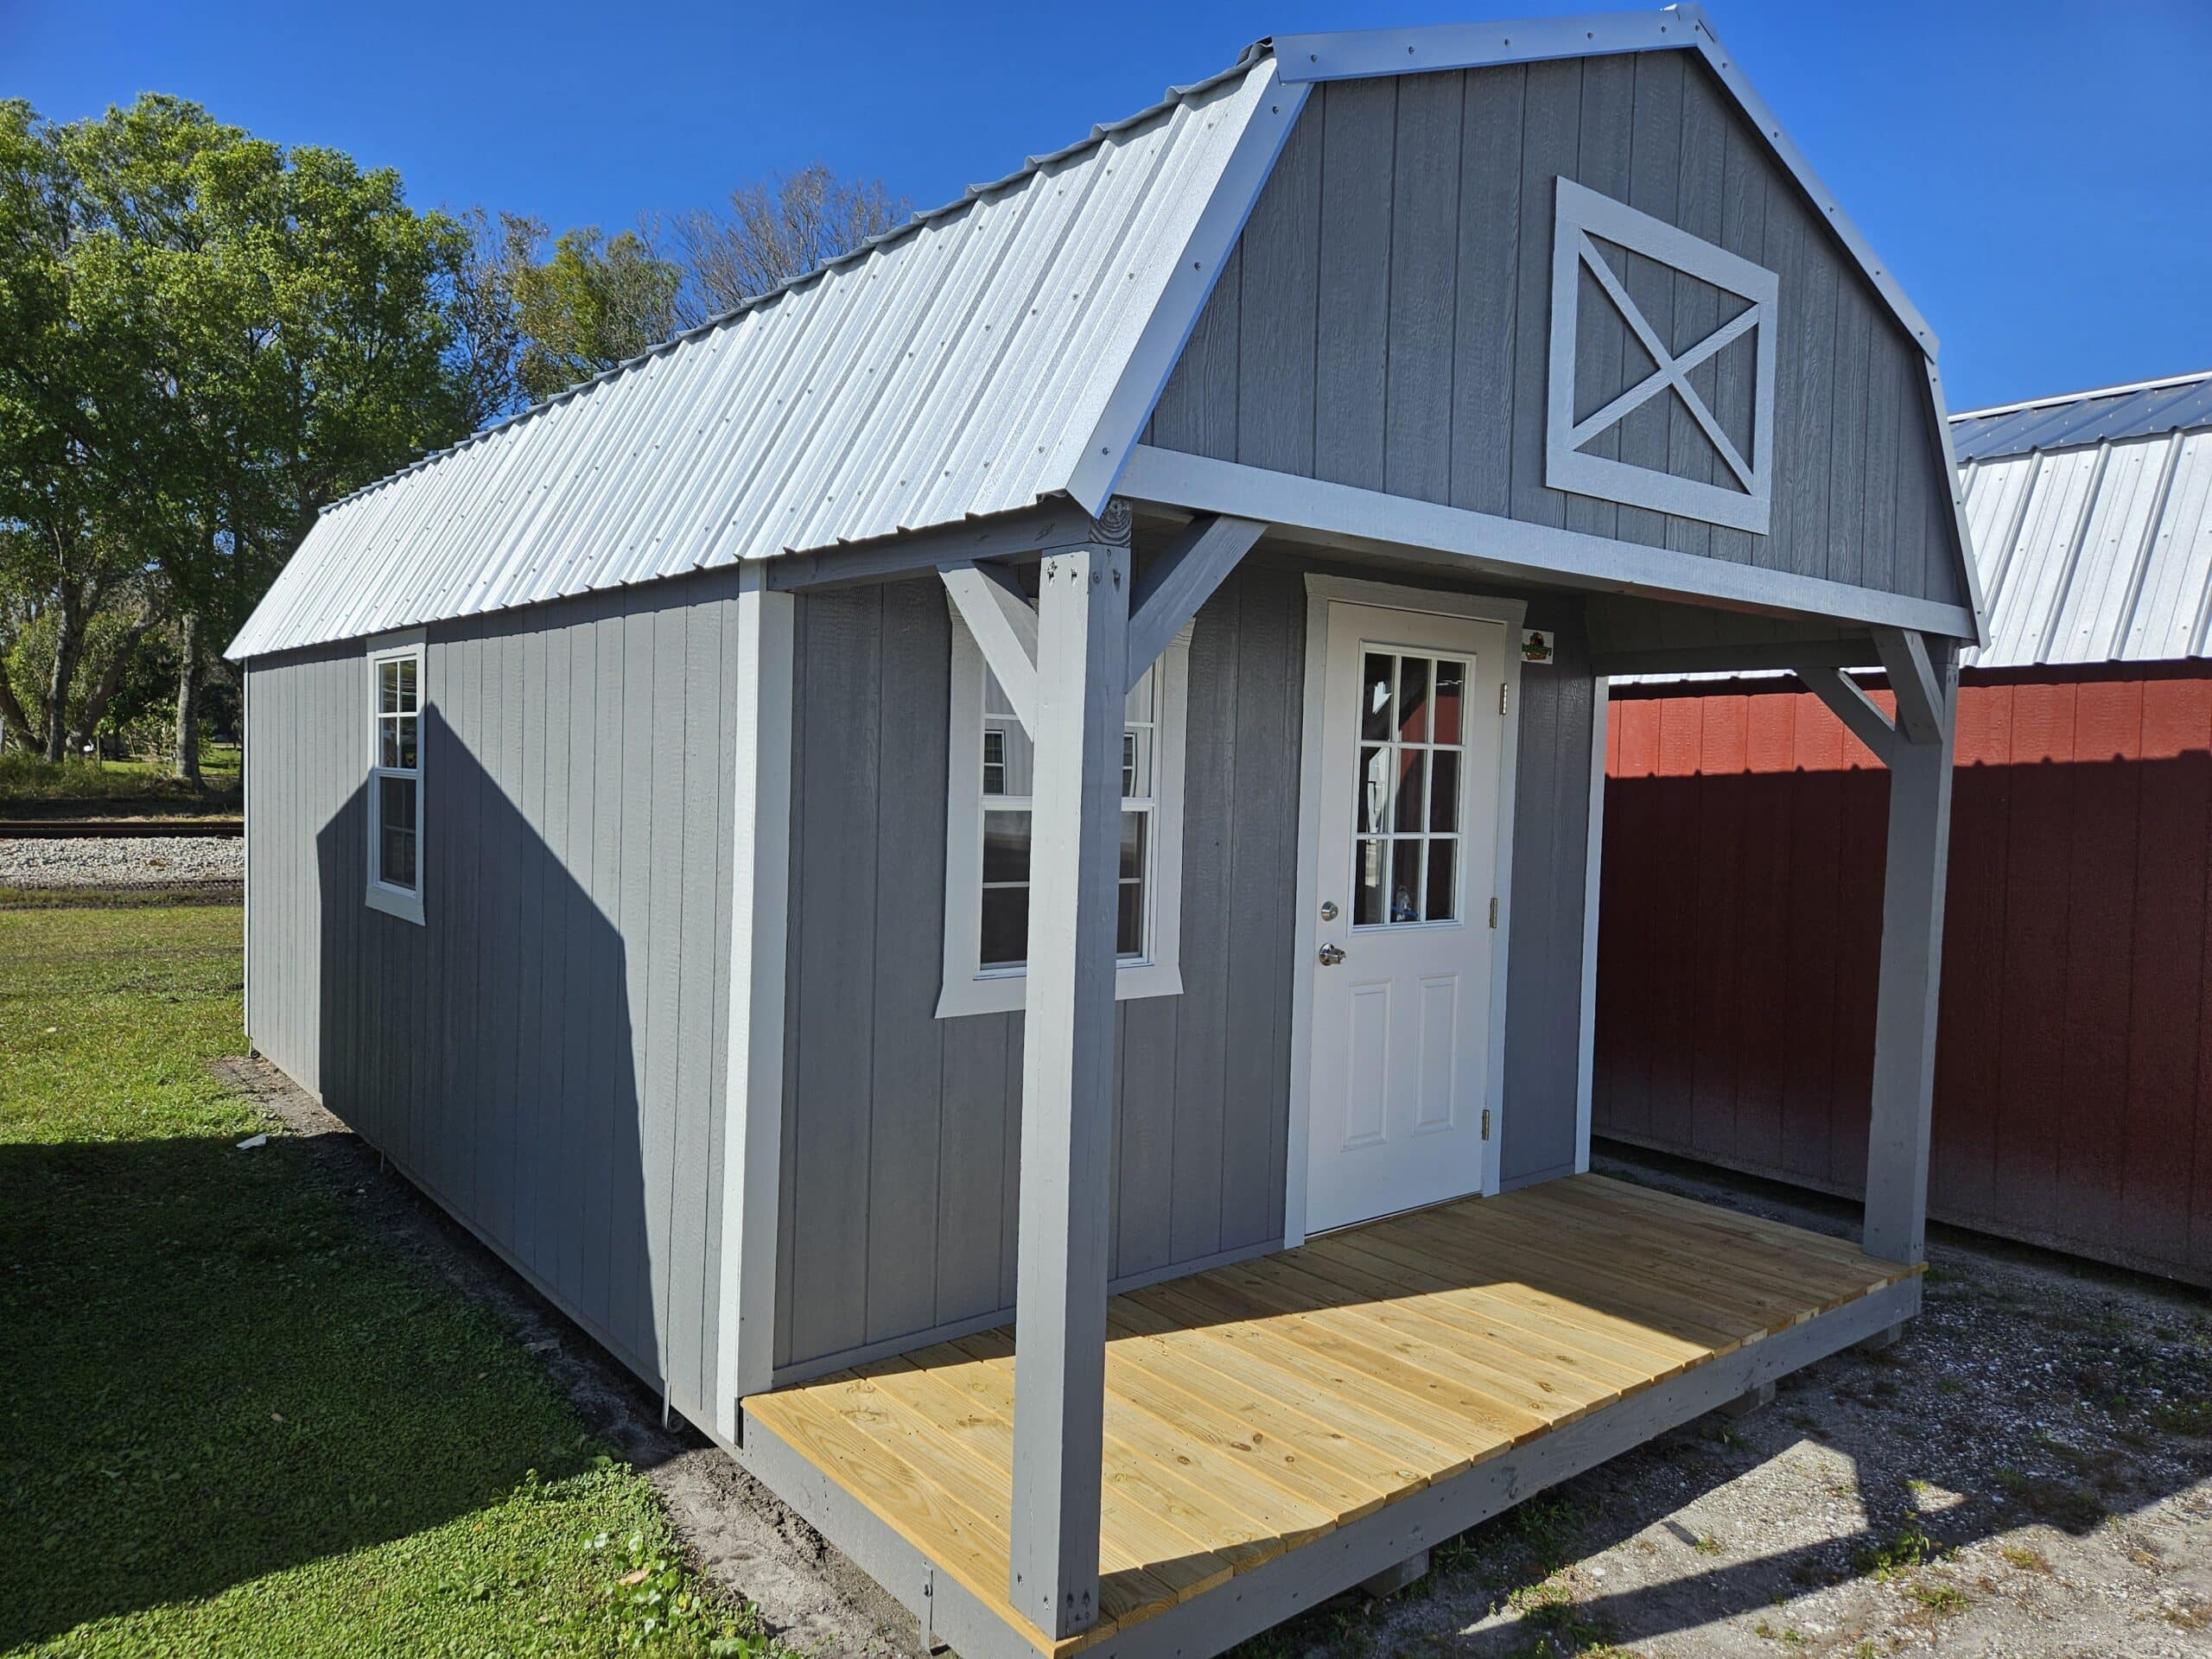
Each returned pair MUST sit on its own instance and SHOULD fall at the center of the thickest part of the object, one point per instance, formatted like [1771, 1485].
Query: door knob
[1331, 954]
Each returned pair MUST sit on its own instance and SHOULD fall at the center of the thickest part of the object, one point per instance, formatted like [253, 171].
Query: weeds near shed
[1905, 1552]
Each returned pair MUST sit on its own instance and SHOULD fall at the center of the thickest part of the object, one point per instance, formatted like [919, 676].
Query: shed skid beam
[1067, 1089]
[1181, 580]
[1906, 1000]
[1004, 628]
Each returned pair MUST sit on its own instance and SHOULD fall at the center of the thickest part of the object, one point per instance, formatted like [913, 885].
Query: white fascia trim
[968, 989]
[1510, 550]
[752, 1091]
[1949, 460]
[1144, 376]
[1357, 53]
[1592, 861]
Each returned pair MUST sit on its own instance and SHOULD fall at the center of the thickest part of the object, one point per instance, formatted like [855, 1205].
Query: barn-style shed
[985, 867]
[2072, 1102]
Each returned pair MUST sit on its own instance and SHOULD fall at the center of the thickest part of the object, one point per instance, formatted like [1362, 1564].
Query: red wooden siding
[1739, 934]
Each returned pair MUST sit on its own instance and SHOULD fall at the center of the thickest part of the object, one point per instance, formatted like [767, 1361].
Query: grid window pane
[1411, 792]
[1006, 927]
[1006, 846]
[1441, 903]
[1444, 791]
[396, 831]
[1405, 795]
[1370, 881]
[1376, 681]
[1450, 698]
[1129, 921]
[407, 687]
[1413, 699]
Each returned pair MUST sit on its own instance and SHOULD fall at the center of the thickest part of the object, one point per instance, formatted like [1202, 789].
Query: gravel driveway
[97, 861]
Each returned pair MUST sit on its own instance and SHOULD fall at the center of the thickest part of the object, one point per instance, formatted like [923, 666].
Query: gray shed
[1014, 819]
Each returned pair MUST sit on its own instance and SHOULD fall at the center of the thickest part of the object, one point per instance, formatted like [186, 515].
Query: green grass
[31, 777]
[234, 1420]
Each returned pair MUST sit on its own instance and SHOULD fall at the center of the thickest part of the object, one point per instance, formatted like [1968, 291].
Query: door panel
[1408, 848]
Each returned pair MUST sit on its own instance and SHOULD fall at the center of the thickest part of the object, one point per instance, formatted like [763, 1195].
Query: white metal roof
[978, 360]
[957, 367]
[2095, 551]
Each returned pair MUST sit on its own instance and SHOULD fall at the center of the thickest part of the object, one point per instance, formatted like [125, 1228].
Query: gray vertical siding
[901, 1130]
[1551, 827]
[545, 1056]
[1384, 320]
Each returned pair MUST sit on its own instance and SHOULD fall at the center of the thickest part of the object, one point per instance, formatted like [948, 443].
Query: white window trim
[968, 989]
[382, 895]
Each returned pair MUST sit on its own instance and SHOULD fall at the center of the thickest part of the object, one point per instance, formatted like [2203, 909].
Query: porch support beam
[1859, 713]
[1912, 949]
[1182, 578]
[1005, 630]
[1067, 1088]
[1912, 677]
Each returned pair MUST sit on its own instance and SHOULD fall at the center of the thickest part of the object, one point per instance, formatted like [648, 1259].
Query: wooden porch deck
[1254, 1410]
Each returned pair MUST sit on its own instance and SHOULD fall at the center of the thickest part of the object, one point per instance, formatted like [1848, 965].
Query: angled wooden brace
[1170, 592]
[1855, 708]
[1004, 626]
[1912, 677]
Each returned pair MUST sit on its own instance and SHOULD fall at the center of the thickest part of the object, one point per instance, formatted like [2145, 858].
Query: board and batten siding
[1384, 320]
[901, 1154]
[545, 1056]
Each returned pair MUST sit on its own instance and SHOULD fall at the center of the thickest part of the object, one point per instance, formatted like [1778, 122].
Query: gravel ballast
[97, 862]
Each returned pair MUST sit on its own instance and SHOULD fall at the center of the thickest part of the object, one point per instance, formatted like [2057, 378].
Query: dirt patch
[739, 1533]
[2028, 1472]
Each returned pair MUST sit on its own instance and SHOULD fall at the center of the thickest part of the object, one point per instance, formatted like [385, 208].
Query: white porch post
[1067, 1087]
[1919, 752]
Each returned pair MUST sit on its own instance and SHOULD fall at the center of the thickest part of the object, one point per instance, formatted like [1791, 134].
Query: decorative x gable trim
[1580, 214]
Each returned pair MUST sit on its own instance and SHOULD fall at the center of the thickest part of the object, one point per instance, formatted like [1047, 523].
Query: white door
[1408, 859]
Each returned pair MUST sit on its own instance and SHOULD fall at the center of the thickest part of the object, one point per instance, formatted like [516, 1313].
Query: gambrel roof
[994, 354]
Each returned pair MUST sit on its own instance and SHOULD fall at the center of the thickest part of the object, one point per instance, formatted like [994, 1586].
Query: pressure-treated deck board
[1253, 1409]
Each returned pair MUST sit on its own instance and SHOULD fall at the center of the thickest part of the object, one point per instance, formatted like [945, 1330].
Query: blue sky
[2036, 172]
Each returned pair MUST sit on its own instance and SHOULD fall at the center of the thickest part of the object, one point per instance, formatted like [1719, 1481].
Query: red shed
[1743, 823]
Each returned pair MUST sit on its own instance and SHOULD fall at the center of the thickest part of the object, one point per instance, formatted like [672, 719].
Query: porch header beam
[1176, 584]
[1012, 536]
[1318, 512]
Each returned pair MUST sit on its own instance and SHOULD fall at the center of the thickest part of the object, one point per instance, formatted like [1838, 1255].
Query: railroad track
[119, 829]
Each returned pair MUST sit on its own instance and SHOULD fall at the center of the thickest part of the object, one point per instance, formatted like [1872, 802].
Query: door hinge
[1503, 687]
[1485, 1123]
[1493, 910]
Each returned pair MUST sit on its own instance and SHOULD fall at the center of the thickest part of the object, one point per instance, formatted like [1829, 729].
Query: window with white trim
[396, 779]
[988, 833]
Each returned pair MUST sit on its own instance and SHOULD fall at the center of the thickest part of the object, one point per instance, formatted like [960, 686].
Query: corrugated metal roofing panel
[2084, 418]
[2096, 554]
[954, 368]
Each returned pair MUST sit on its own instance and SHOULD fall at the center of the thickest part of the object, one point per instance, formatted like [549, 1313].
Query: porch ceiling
[1253, 1410]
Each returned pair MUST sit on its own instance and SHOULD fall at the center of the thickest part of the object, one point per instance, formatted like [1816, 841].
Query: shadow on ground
[226, 1374]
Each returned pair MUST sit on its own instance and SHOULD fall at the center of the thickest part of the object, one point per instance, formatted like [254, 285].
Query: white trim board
[966, 988]
[1586, 1035]
[753, 1088]
[1098, 465]
[1580, 213]
[1507, 549]
[1322, 591]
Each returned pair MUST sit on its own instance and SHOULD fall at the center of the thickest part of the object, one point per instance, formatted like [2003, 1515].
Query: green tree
[594, 302]
[228, 336]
